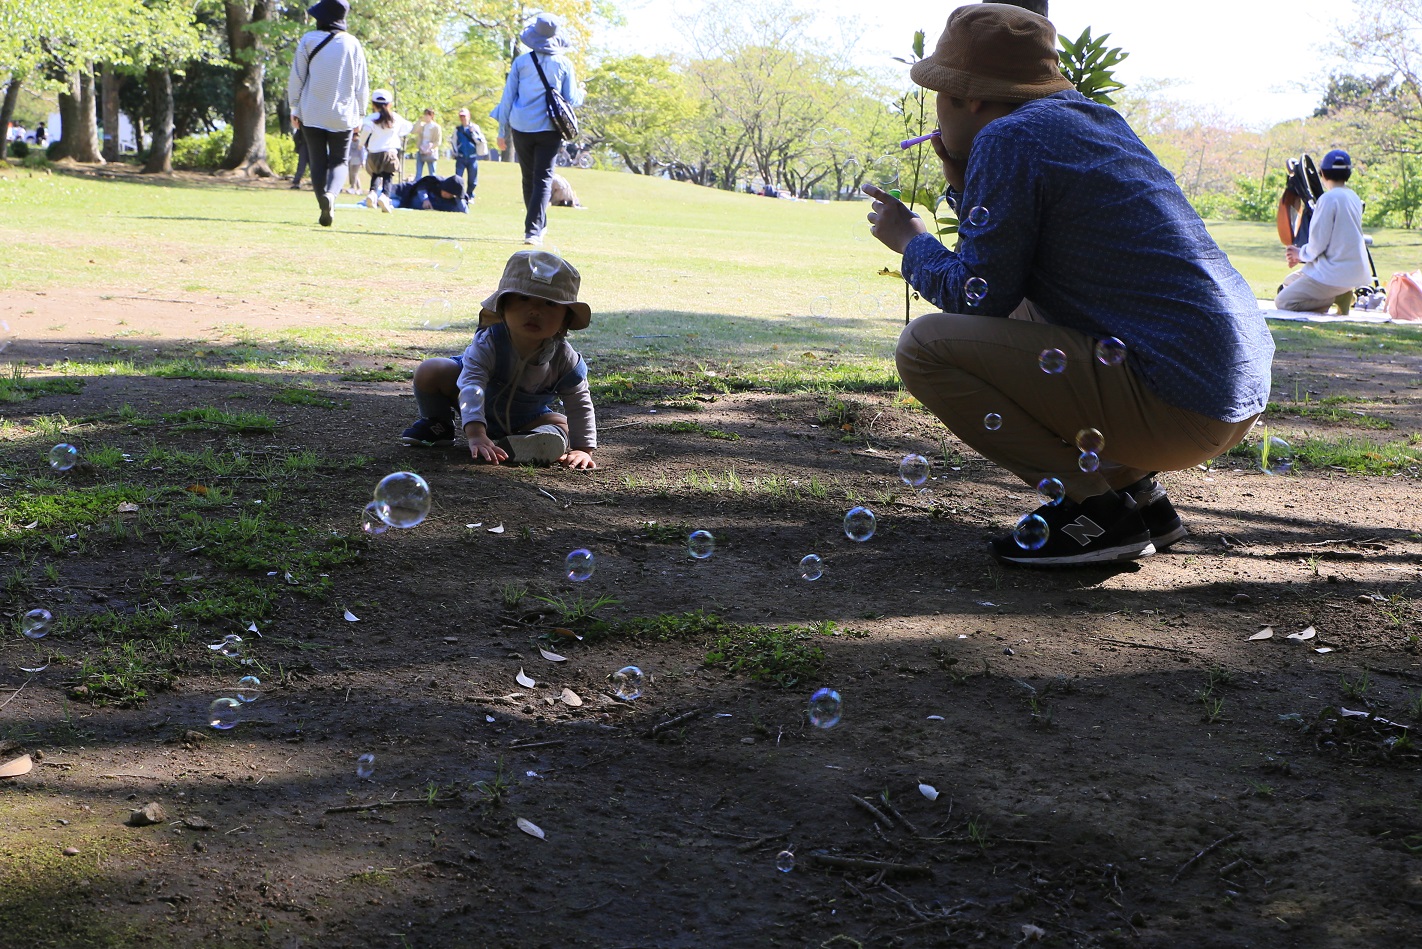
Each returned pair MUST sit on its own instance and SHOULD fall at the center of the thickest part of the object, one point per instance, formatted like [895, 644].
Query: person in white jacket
[1335, 258]
[327, 92]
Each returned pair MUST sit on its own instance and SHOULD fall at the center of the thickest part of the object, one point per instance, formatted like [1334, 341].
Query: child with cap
[1335, 258]
[518, 365]
[382, 135]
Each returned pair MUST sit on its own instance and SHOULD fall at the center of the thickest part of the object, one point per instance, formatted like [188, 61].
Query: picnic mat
[1356, 316]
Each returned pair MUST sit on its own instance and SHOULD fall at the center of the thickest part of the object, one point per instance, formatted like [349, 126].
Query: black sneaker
[1158, 513]
[427, 434]
[1102, 529]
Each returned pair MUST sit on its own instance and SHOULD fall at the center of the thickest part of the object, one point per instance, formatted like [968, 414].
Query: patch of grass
[32, 874]
[243, 423]
[193, 369]
[574, 610]
[18, 387]
[1321, 412]
[659, 533]
[785, 655]
[695, 428]
[1350, 454]
[383, 374]
[63, 512]
[696, 626]
[307, 397]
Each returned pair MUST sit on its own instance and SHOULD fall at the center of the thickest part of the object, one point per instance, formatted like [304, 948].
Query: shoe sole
[1168, 538]
[1132, 551]
[421, 443]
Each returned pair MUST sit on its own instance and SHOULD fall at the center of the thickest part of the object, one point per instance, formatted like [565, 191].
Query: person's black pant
[301, 154]
[468, 168]
[536, 151]
[328, 152]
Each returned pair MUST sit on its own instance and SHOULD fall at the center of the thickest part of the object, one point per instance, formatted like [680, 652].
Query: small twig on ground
[673, 722]
[904, 822]
[726, 833]
[1126, 642]
[538, 744]
[1208, 850]
[549, 496]
[399, 802]
[759, 842]
[875, 866]
[16, 692]
[874, 812]
[1325, 543]
[608, 428]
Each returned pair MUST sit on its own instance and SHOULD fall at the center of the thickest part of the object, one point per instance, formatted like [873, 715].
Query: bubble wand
[911, 142]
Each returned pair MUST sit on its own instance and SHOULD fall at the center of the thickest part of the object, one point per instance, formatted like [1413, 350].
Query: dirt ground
[1116, 762]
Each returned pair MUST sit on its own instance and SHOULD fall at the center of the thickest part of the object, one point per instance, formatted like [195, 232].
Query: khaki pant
[1301, 293]
[962, 367]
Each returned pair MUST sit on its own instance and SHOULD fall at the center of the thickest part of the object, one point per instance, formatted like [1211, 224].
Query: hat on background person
[464, 113]
[993, 51]
[452, 186]
[538, 273]
[1336, 160]
[541, 35]
[380, 97]
[329, 14]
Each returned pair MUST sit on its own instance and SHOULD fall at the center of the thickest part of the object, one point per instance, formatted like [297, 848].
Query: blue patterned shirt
[1082, 220]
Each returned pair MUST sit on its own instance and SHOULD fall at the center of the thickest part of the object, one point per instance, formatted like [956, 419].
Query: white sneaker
[370, 200]
[385, 205]
[533, 240]
[538, 448]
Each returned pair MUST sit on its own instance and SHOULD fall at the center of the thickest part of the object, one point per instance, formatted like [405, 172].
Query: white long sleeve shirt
[330, 90]
[378, 139]
[1335, 255]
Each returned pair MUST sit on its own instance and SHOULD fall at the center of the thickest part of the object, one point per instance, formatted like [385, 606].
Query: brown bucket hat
[537, 273]
[993, 51]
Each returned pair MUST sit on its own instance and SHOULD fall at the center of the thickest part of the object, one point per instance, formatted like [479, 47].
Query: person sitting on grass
[1335, 258]
[1093, 332]
[429, 194]
[520, 363]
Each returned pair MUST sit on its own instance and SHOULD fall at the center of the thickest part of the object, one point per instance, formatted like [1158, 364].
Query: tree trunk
[160, 118]
[7, 111]
[109, 103]
[79, 137]
[248, 154]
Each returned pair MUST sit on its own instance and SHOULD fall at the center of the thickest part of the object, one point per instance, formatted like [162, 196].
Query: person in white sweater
[1335, 258]
[327, 92]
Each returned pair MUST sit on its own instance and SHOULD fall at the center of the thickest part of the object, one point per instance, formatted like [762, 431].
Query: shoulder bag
[560, 113]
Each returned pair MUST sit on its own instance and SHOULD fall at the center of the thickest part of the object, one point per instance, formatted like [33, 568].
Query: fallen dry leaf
[530, 828]
[1266, 633]
[128, 507]
[524, 680]
[1302, 635]
[550, 656]
[497, 530]
[570, 697]
[17, 766]
[928, 791]
[560, 631]
[351, 617]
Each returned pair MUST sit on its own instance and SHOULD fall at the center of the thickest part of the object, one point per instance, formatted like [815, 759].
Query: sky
[1258, 62]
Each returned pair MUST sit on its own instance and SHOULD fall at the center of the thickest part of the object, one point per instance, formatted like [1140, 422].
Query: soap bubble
[785, 861]
[448, 256]
[859, 524]
[1052, 361]
[992, 421]
[231, 646]
[820, 137]
[1089, 461]
[471, 400]
[365, 765]
[825, 706]
[1090, 439]
[544, 266]
[249, 689]
[884, 172]
[974, 290]
[627, 683]
[36, 624]
[913, 469]
[811, 568]
[1110, 351]
[579, 565]
[978, 216]
[370, 521]
[402, 499]
[1051, 491]
[701, 544]
[63, 456]
[1276, 456]
[1031, 532]
[436, 312]
[223, 714]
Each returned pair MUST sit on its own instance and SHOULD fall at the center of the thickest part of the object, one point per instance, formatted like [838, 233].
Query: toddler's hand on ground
[483, 449]
[577, 459]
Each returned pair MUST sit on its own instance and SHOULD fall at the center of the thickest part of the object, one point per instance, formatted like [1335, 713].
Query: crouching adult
[1093, 333]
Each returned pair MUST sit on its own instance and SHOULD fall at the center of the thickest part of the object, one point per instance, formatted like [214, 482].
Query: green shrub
[53, 151]
[19, 149]
[281, 154]
[202, 152]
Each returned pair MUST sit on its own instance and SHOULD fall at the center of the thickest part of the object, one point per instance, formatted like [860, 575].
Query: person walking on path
[382, 133]
[469, 147]
[429, 136]
[1335, 258]
[326, 91]
[523, 114]
[1093, 333]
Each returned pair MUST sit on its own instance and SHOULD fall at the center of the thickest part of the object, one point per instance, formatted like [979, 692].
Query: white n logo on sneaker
[1083, 530]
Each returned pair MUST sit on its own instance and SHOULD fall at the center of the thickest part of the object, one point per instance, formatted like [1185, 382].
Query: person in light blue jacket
[522, 114]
